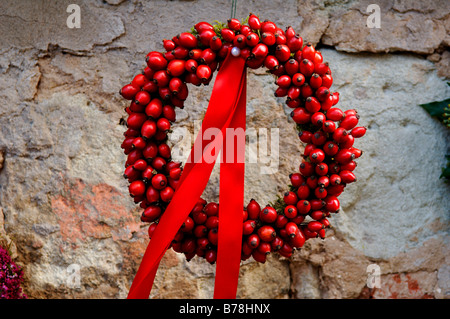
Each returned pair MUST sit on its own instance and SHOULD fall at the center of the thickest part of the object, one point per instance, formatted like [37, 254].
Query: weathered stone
[42, 24]
[65, 203]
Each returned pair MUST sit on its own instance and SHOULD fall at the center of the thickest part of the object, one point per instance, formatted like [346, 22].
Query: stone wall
[63, 200]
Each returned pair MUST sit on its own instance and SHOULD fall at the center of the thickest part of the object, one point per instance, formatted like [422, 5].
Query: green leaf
[446, 170]
[445, 173]
[436, 109]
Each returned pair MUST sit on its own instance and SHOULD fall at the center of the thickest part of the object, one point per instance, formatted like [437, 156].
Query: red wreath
[170, 194]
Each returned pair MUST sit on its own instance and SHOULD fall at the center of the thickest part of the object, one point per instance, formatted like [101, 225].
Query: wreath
[192, 226]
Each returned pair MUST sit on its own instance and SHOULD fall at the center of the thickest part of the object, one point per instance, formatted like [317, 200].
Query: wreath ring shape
[302, 76]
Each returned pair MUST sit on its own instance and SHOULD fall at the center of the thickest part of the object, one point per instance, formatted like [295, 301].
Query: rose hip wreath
[302, 77]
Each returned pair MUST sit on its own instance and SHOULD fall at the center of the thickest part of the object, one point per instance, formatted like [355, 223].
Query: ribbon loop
[226, 109]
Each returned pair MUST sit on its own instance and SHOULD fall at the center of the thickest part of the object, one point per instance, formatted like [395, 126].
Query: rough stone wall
[63, 200]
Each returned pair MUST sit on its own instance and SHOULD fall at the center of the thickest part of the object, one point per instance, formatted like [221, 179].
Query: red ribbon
[226, 111]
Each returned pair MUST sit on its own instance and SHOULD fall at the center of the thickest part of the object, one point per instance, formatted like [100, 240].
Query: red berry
[303, 192]
[315, 81]
[335, 179]
[169, 45]
[215, 43]
[312, 181]
[206, 36]
[332, 203]
[203, 26]
[295, 43]
[276, 244]
[163, 124]
[207, 56]
[317, 156]
[290, 211]
[344, 156]
[306, 67]
[347, 141]
[318, 119]
[298, 79]
[234, 24]
[317, 215]
[253, 209]
[152, 194]
[187, 40]
[319, 138]
[268, 38]
[322, 93]
[281, 221]
[305, 136]
[327, 80]
[204, 73]
[315, 226]
[306, 169]
[159, 163]
[136, 120]
[284, 81]
[258, 256]
[347, 176]
[282, 53]
[156, 61]
[161, 78]
[349, 122]
[303, 207]
[338, 134]
[271, 62]
[150, 214]
[293, 92]
[199, 217]
[212, 209]
[248, 227]
[329, 126]
[335, 114]
[321, 68]
[211, 256]
[266, 233]
[321, 170]
[253, 240]
[268, 214]
[309, 52]
[306, 90]
[227, 34]
[137, 188]
[129, 91]
[166, 194]
[263, 248]
[350, 166]
[252, 39]
[296, 179]
[268, 26]
[320, 192]
[298, 240]
[253, 22]
[260, 51]
[291, 67]
[140, 165]
[301, 116]
[290, 198]
[159, 181]
[188, 225]
[358, 131]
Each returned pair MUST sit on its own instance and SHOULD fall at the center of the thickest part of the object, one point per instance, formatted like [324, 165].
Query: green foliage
[441, 111]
